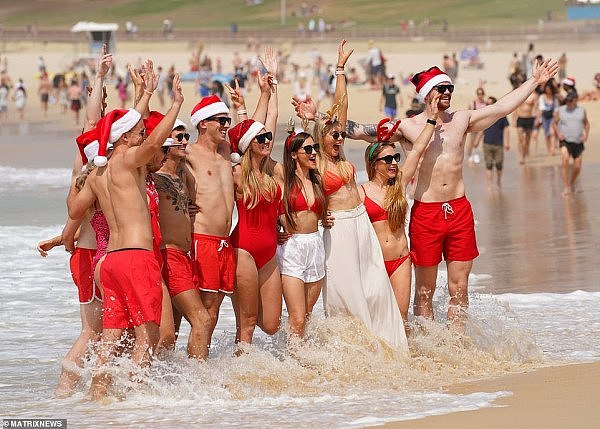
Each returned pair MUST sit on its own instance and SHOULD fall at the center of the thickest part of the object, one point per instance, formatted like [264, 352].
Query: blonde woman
[385, 201]
[356, 281]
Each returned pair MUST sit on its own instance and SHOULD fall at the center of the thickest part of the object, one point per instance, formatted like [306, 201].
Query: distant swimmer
[572, 129]
[442, 219]
[526, 113]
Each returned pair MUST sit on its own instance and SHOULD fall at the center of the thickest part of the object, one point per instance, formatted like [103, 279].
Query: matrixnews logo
[34, 423]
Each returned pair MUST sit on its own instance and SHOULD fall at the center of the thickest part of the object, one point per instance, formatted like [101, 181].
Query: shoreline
[549, 397]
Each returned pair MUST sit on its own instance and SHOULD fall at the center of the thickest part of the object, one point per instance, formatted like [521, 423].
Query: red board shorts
[213, 263]
[444, 228]
[132, 289]
[177, 271]
[82, 271]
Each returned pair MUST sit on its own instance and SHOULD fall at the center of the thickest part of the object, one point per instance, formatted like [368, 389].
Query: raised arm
[270, 63]
[140, 155]
[93, 109]
[144, 85]
[482, 118]
[78, 202]
[341, 92]
[260, 114]
[237, 100]
[420, 144]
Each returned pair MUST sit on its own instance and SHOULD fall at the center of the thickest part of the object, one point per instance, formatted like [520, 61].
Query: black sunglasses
[443, 88]
[336, 135]
[389, 158]
[165, 149]
[264, 137]
[308, 149]
[180, 137]
[222, 120]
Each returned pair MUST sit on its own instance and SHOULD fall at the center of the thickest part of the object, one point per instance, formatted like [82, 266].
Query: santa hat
[152, 121]
[179, 123]
[241, 135]
[208, 106]
[94, 143]
[425, 81]
[569, 81]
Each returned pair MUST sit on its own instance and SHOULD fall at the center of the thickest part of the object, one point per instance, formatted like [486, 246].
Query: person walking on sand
[495, 142]
[440, 200]
[572, 129]
[44, 89]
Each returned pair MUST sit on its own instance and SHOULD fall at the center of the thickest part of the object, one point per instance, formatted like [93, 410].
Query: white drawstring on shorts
[447, 209]
[222, 244]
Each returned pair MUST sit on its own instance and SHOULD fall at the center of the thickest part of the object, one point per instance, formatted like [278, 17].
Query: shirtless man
[176, 230]
[130, 273]
[526, 117]
[442, 222]
[210, 184]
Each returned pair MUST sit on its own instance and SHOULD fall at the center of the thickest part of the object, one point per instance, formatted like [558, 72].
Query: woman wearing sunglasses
[384, 198]
[257, 179]
[301, 258]
[356, 284]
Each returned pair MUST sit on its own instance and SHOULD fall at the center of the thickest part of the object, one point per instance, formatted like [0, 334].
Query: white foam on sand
[18, 179]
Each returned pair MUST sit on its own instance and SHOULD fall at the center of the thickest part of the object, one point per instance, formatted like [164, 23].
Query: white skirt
[356, 282]
[302, 256]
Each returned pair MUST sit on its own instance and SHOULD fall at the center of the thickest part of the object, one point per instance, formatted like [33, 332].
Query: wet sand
[531, 238]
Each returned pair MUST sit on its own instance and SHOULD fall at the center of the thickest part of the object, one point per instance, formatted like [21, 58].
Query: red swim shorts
[82, 271]
[213, 263]
[132, 289]
[177, 271]
[442, 228]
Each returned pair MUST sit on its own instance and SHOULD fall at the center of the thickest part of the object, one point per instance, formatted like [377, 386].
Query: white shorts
[302, 257]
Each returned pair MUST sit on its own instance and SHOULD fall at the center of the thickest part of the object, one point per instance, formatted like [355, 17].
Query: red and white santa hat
[207, 107]
[93, 144]
[425, 81]
[569, 81]
[241, 135]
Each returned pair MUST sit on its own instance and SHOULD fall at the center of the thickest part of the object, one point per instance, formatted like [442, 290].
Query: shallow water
[535, 244]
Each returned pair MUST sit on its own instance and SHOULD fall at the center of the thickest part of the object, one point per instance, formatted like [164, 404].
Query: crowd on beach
[162, 228]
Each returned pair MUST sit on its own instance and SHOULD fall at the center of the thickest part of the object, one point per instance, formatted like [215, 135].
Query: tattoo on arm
[351, 128]
[370, 130]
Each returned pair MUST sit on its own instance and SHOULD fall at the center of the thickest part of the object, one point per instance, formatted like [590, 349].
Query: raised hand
[177, 89]
[343, 56]
[542, 72]
[104, 63]
[306, 109]
[149, 76]
[136, 78]
[236, 96]
[264, 82]
[431, 108]
[269, 61]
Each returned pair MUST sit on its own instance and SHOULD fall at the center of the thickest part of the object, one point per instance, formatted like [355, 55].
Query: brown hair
[394, 202]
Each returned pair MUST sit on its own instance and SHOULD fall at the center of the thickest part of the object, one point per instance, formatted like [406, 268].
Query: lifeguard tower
[98, 34]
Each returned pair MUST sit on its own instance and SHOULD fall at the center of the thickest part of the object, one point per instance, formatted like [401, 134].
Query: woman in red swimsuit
[301, 258]
[257, 178]
[385, 200]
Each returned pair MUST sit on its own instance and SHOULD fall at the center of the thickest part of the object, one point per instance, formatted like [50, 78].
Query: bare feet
[566, 192]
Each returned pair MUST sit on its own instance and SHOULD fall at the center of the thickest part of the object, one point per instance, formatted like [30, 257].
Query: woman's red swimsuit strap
[298, 203]
[375, 212]
[256, 231]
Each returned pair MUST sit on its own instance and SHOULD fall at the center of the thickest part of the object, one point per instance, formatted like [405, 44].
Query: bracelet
[339, 67]
[242, 112]
[274, 81]
[432, 122]
[340, 73]
[148, 92]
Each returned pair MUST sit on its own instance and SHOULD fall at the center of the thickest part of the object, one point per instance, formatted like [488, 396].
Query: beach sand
[549, 397]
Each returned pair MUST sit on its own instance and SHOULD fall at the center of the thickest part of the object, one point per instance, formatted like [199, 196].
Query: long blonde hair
[256, 184]
[80, 180]
[394, 202]
[344, 168]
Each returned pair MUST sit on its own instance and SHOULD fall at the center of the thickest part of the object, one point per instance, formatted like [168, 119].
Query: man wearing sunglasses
[210, 186]
[443, 224]
[176, 231]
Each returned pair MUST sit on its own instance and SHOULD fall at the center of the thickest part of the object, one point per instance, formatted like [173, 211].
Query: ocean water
[341, 376]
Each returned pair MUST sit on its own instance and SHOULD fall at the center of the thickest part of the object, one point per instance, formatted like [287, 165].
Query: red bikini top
[298, 203]
[332, 182]
[375, 212]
